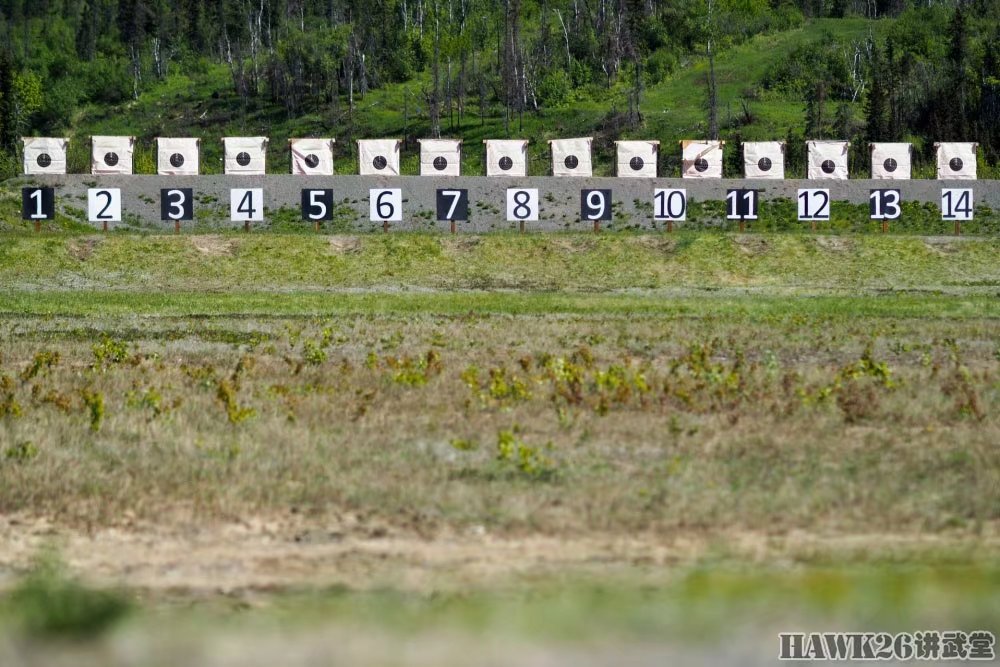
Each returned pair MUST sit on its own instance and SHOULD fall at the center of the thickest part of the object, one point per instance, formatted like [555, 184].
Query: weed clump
[49, 603]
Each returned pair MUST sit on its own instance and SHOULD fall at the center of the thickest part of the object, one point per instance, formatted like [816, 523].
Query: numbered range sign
[522, 204]
[38, 203]
[452, 205]
[742, 204]
[884, 204]
[385, 205]
[104, 205]
[246, 204]
[814, 205]
[595, 204]
[177, 204]
[956, 204]
[670, 205]
[317, 205]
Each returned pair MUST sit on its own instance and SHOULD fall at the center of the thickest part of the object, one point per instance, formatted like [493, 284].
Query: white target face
[104, 205]
[246, 205]
[385, 205]
[522, 204]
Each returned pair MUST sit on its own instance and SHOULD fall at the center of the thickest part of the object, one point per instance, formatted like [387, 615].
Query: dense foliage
[926, 71]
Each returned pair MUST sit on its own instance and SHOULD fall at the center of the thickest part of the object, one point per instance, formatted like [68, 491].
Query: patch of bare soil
[214, 246]
[656, 243]
[941, 246]
[460, 244]
[343, 245]
[83, 248]
[835, 243]
[572, 245]
[752, 245]
[258, 554]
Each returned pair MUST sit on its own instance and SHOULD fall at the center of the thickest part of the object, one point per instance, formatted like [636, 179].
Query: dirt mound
[835, 243]
[752, 245]
[342, 245]
[656, 243]
[460, 243]
[83, 249]
[214, 246]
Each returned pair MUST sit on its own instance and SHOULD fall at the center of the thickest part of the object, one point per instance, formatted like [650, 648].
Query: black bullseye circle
[890, 165]
[506, 163]
[177, 160]
[243, 159]
[956, 164]
[312, 161]
[828, 167]
[764, 164]
[571, 162]
[637, 163]
[111, 159]
[44, 160]
[440, 163]
[701, 164]
[379, 162]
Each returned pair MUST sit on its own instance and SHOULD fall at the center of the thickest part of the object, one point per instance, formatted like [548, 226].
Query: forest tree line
[935, 74]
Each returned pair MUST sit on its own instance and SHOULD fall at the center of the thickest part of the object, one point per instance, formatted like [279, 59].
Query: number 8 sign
[522, 204]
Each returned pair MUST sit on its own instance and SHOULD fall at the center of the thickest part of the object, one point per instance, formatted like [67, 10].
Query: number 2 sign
[104, 205]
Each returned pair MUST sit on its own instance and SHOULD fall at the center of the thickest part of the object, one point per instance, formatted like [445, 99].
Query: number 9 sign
[595, 204]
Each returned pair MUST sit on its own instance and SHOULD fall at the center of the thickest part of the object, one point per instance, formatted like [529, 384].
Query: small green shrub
[49, 603]
[108, 352]
[21, 452]
[94, 402]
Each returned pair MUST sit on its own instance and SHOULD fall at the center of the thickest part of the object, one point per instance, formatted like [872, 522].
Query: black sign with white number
[317, 205]
[452, 204]
[884, 204]
[177, 204]
[742, 204]
[814, 205]
[38, 203]
[956, 204]
[595, 204]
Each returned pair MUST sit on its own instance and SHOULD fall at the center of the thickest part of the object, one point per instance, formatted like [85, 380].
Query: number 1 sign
[38, 204]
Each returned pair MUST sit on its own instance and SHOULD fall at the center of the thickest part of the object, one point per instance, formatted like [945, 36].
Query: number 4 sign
[246, 205]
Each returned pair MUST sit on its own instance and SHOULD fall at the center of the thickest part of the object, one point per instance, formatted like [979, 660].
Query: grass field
[544, 449]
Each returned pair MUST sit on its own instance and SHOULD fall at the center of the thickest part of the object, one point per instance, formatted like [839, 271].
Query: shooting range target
[571, 157]
[891, 161]
[45, 155]
[378, 157]
[245, 155]
[637, 159]
[764, 159]
[440, 157]
[312, 157]
[111, 155]
[827, 159]
[177, 157]
[506, 157]
[701, 159]
[956, 161]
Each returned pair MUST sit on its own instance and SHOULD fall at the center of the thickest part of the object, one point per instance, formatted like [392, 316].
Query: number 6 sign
[385, 205]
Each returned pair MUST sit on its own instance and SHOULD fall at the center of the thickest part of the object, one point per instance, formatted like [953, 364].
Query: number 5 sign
[385, 205]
